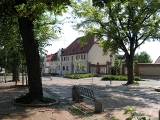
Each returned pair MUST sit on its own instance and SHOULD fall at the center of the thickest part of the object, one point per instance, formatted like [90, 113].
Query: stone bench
[79, 92]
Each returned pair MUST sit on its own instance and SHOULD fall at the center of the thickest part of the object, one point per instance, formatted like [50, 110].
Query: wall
[96, 55]
[99, 68]
[144, 69]
[67, 61]
[147, 69]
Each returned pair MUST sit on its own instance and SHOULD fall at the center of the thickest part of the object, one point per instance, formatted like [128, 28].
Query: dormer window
[82, 48]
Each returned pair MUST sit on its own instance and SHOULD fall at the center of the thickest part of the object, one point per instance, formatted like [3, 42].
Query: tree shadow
[116, 97]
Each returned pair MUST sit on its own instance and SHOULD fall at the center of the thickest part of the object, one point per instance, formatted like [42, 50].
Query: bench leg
[98, 107]
[79, 98]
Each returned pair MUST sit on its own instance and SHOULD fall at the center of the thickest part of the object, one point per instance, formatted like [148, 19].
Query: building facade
[89, 54]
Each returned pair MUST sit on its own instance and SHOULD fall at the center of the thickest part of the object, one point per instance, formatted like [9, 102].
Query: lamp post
[110, 68]
[6, 68]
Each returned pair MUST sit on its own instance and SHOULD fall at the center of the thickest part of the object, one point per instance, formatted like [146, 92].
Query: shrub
[119, 77]
[133, 114]
[80, 75]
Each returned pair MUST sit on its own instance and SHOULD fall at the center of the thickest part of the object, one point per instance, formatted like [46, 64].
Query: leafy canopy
[143, 57]
[119, 24]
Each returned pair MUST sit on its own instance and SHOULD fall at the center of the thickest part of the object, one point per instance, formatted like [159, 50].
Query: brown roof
[76, 48]
[54, 57]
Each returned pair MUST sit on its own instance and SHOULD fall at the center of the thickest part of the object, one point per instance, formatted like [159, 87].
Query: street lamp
[110, 68]
[6, 67]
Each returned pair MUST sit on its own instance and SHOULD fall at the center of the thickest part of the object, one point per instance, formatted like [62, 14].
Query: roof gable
[54, 57]
[158, 60]
[76, 48]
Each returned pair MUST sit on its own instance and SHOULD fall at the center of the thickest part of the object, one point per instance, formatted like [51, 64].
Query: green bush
[133, 114]
[119, 77]
[80, 75]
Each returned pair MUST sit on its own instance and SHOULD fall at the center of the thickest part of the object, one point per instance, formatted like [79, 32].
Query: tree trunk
[129, 63]
[32, 58]
[15, 76]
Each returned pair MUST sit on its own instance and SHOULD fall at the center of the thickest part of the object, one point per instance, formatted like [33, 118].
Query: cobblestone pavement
[115, 97]
[10, 112]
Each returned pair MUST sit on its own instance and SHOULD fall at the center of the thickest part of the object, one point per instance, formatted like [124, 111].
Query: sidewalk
[115, 97]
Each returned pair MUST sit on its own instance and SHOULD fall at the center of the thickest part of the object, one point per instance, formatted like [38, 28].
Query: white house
[53, 62]
[59, 61]
[90, 54]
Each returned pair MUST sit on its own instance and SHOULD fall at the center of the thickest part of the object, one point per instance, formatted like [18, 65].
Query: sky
[152, 48]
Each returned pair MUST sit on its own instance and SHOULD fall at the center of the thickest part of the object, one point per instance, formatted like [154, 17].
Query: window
[63, 67]
[59, 67]
[77, 57]
[84, 57]
[68, 58]
[64, 58]
[81, 57]
[72, 57]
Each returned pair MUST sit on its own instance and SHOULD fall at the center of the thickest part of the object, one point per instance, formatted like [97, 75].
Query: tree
[11, 41]
[143, 57]
[117, 64]
[78, 64]
[120, 25]
[26, 12]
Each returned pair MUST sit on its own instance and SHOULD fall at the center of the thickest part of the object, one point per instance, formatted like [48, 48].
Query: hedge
[119, 77]
[80, 75]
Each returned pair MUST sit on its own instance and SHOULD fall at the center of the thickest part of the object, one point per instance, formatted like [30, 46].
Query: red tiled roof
[48, 58]
[76, 48]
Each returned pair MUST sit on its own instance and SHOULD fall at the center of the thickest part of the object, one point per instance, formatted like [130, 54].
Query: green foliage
[119, 25]
[34, 8]
[117, 64]
[78, 64]
[79, 76]
[119, 77]
[143, 57]
[133, 114]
